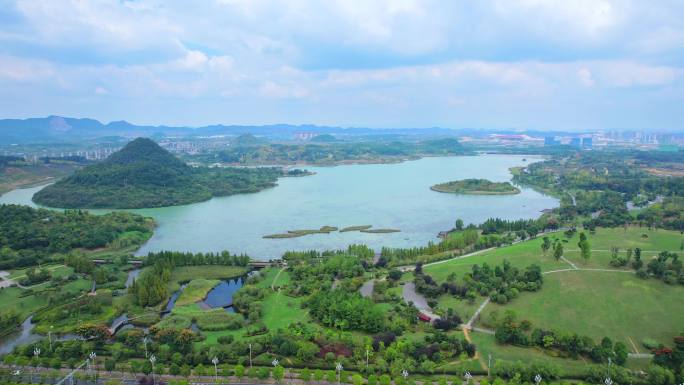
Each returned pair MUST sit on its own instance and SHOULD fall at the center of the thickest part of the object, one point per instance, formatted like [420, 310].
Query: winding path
[410, 295]
[366, 289]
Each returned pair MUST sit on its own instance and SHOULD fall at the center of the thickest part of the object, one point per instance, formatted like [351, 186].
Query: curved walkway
[410, 295]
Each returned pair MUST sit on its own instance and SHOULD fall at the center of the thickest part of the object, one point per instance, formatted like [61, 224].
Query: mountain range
[65, 129]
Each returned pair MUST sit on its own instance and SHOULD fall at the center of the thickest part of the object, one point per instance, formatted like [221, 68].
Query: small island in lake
[476, 187]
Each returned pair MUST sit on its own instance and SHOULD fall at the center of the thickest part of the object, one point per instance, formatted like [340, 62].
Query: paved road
[410, 295]
[366, 289]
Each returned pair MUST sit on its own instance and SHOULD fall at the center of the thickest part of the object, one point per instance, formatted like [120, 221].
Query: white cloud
[585, 77]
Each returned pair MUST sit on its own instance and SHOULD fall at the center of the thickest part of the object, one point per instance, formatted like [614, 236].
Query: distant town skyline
[582, 65]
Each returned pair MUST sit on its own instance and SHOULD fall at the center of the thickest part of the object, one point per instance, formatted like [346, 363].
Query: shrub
[650, 343]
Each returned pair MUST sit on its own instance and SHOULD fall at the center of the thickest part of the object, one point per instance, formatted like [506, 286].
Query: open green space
[196, 291]
[598, 304]
[188, 273]
[521, 254]
[280, 311]
[486, 345]
[16, 299]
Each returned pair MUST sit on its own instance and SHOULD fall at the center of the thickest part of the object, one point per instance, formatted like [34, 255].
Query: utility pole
[250, 356]
[366, 358]
[153, 359]
[145, 343]
[50, 336]
[489, 366]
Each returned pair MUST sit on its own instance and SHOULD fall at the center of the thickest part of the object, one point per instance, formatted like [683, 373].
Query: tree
[459, 224]
[239, 371]
[305, 375]
[621, 353]
[330, 377]
[546, 245]
[585, 248]
[558, 251]
[318, 375]
[109, 365]
[357, 379]
[278, 373]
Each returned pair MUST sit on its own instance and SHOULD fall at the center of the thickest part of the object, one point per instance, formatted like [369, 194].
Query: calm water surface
[383, 195]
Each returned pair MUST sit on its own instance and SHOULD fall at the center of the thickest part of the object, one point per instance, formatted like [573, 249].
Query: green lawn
[526, 253]
[281, 310]
[651, 242]
[486, 344]
[460, 306]
[598, 304]
[269, 277]
[196, 290]
[521, 254]
[11, 298]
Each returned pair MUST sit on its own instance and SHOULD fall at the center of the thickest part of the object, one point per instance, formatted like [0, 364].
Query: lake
[383, 195]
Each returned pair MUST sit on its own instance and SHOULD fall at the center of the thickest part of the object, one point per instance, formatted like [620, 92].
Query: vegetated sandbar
[476, 187]
[301, 233]
[329, 229]
[356, 228]
[380, 231]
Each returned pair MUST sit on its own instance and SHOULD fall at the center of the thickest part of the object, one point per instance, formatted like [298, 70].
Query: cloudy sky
[541, 64]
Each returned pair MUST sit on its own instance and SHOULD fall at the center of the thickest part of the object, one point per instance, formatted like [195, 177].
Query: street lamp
[215, 362]
[404, 373]
[339, 368]
[36, 353]
[608, 381]
[537, 379]
[153, 359]
[468, 377]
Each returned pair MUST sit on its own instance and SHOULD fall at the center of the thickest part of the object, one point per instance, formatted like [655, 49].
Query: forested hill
[142, 174]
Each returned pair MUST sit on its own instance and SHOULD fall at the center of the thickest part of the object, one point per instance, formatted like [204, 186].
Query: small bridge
[134, 262]
[257, 265]
[121, 323]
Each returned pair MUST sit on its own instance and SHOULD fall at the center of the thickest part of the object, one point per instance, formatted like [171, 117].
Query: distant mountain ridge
[64, 129]
[142, 174]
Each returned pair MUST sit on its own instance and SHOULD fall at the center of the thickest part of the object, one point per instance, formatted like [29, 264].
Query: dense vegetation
[30, 236]
[328, 153]
[597, 186]
[151, 287]
[142, 174]
[476, 187]
[501, 284]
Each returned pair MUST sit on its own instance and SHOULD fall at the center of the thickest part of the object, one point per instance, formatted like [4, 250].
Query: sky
[514, 64]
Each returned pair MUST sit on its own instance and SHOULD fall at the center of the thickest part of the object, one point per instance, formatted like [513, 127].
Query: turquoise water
[383, 195]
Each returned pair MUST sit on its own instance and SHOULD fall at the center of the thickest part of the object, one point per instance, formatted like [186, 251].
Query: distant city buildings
[305, 135]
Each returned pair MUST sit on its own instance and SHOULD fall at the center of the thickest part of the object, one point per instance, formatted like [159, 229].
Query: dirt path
[472, 320]
[636, 350]
[275, 279]
[569, 263]
[583, 269]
